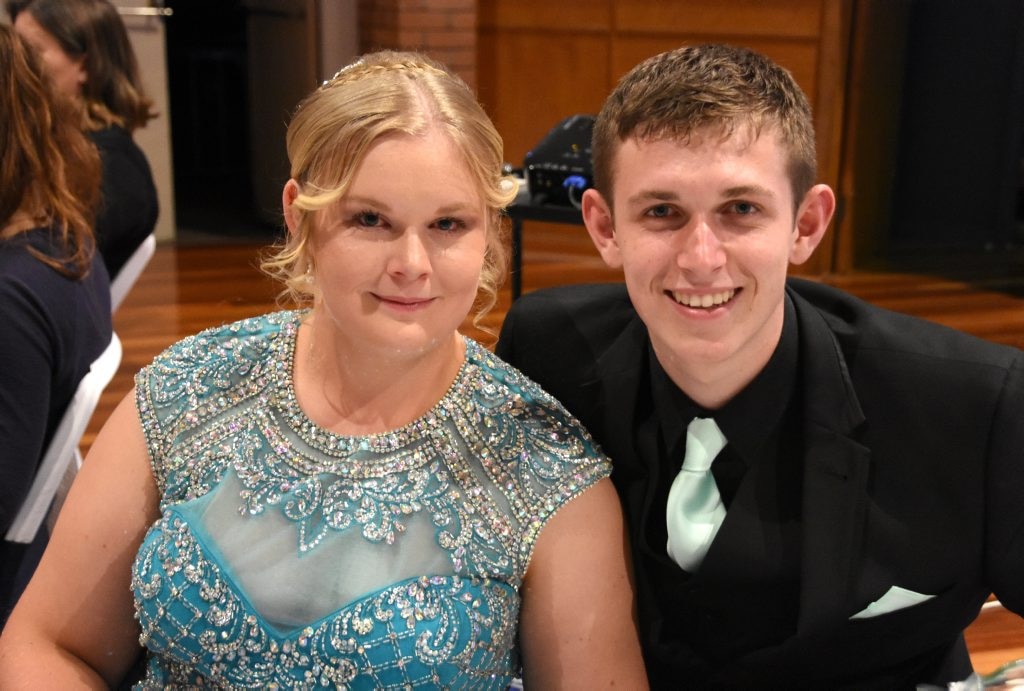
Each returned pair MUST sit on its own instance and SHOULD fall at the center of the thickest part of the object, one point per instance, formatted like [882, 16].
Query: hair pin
[343, 70]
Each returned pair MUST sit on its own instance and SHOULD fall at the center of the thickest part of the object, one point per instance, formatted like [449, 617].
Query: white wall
[149, 42]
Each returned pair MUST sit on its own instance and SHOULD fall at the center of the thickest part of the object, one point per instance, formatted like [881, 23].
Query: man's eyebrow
[670, 196]
[653, 195]
[747, 191]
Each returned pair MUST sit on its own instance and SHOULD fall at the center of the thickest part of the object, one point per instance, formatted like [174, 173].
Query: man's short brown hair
[676, 94]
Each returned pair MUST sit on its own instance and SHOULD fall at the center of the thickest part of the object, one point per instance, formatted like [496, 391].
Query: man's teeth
[706, 300]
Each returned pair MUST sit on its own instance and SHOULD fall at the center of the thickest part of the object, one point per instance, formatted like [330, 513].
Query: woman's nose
[411, 257]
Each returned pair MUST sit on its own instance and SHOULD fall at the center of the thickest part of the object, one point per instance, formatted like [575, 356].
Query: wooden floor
[185, 289]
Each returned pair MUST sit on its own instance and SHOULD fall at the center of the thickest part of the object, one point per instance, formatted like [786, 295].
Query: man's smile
[703, 299]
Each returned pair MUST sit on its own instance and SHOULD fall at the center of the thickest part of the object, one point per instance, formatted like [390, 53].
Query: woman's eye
[368, 219]
[449, 224]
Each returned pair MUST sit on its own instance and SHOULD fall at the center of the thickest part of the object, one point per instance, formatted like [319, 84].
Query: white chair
[131, 271]
[63, 449]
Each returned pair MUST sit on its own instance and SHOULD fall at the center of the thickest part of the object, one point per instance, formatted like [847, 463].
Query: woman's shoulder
[16, 251]
[247, 340]
[119, 152]
[199, 377]
[26, 278]
[247, 352]
[512, 382]
[540, 457]
[544, 429]
[112, 137]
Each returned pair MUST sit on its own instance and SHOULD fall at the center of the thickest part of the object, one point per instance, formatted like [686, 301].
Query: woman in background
[54, 294]
[85, 47]
[352, 495]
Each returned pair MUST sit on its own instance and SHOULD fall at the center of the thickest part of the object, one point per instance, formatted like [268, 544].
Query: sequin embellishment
[484, 469]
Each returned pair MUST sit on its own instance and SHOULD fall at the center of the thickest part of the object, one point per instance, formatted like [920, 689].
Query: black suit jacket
[912, 476]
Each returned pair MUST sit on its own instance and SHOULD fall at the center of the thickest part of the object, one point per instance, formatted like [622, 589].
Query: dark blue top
[51, 329]
[128, 205]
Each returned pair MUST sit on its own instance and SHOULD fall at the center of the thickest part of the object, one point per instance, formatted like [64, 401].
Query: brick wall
[443, 29]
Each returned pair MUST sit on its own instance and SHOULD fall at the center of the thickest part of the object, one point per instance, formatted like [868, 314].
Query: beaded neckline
[386, 442]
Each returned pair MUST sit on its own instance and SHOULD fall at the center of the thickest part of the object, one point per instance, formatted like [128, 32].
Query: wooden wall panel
[544, 15]
[541, 61]
[775, 18]
[538, 81]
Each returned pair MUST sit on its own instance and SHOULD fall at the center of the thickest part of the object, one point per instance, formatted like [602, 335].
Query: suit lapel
[616, 386]
[629, 429]
[835, 476]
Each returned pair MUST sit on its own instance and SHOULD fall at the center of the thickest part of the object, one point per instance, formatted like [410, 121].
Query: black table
[530, 212]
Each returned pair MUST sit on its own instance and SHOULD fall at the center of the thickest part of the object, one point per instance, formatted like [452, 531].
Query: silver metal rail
[146, 11]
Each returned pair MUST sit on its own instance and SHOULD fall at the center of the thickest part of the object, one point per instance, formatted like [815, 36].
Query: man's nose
[699, 249]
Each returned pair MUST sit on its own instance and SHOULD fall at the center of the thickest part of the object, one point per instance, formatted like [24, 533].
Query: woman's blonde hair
[384, 93]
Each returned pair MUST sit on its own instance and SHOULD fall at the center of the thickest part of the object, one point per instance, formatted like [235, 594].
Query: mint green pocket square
[896, 598]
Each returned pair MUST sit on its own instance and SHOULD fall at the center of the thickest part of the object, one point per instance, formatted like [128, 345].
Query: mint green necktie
[695, 511]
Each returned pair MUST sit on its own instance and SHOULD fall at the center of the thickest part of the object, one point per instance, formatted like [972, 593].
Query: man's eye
[660, 211]
[743, 208]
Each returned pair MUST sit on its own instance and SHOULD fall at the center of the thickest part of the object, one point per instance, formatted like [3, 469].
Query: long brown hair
[93, 30]
[48, 167]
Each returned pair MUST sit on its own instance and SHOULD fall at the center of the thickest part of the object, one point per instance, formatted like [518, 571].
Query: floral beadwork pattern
[436, 631]
[487, 466]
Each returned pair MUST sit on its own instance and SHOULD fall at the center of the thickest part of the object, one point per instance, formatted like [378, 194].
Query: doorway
[206, 75]
[959, 183]
[236, 69]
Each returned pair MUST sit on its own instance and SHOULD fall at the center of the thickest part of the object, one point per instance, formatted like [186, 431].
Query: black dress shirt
[760, 468]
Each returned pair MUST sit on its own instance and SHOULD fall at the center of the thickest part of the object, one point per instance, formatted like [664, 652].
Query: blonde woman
[351, 495]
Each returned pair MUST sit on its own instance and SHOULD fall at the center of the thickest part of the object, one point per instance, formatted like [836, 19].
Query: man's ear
[597, 215]
[812, 219]
[291, 214]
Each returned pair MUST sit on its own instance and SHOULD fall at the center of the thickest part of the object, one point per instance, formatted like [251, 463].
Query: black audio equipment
[559, 168]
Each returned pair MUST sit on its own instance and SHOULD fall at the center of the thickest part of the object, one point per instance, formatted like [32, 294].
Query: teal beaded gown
[290, 557]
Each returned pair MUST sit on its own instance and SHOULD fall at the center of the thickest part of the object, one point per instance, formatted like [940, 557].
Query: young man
[873, 466]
